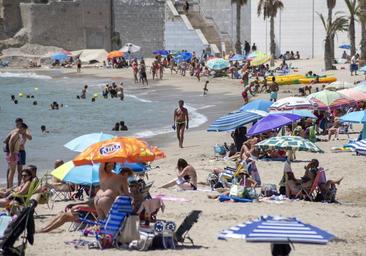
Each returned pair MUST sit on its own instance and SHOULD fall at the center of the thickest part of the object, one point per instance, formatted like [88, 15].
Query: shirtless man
[186, 176]
[274, 90]
[83, 92]
[12, 156]
[111, 186]
[181, 120]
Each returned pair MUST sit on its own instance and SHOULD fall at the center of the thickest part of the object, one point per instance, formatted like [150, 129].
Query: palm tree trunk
[238, 30]
[273, 43]
[327, 54]
[352, 36]
[330, 18]
[363, 29]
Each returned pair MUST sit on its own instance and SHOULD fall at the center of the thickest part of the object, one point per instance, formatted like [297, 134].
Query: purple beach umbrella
[272, 121]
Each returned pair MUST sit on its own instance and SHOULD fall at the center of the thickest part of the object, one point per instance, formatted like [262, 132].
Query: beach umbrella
[292, 103]
[218, 64]
[301, 112]
[271, 122]
[361, 87]
[183, 57]
[345, 46]
[339, 85]
[358, 146]
[233, 120]
[293, 143]
[114, 54]
[257, 104]
[362, 69]
[255, 54]
[237, 57]
[354, 117]
[81, 175]
[130, 48]
[117, 150]
[60, 56]
[329, 99]
[260, 60]
[161, 52]
[272, 229]
[80, 143]
[135, 167]
[354, 94]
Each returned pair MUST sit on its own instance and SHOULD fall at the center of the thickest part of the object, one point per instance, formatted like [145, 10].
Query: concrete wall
[10, 14]
[293, 28]
[140, 22]
[73, 25]
[180, 35]
[223, 14]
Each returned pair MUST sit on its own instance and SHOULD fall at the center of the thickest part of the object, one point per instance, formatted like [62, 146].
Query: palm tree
[339, 24]
[362, 17]
[331, 5]
[239, 4]
[353, 9]
[269, 8]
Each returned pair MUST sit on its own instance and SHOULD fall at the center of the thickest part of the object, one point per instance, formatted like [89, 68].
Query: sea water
[146, 111]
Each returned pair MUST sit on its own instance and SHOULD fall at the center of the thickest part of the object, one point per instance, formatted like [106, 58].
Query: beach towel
[224, 198]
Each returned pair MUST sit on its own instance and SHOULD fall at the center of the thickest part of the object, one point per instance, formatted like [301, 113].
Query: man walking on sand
[181, 120]
[274, 90]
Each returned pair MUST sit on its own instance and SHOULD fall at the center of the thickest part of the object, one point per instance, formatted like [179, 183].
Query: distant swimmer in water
[93, 99]
[180, 121]
[122, 126]
[44, 129]
[83, 92]
[12, 97]
[78, 97]
[54, 106]
[15, 101]
[116, 127]
[35, 103]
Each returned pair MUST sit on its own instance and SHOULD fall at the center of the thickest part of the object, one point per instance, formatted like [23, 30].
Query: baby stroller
[23, 224]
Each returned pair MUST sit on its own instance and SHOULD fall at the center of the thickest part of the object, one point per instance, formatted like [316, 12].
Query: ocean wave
[137, 98]
[25, 75]
[195, 120]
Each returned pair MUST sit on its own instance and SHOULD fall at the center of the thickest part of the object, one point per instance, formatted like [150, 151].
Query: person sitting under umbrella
[111, 186]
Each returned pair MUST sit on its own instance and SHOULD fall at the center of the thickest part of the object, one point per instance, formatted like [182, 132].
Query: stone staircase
[218, 42]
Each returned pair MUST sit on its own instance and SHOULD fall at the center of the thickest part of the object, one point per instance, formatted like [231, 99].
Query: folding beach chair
[311, 193]
[182, 232]
[86, 214]
[110, 227]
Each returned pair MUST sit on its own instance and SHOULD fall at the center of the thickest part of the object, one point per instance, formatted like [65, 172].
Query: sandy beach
[346, 220]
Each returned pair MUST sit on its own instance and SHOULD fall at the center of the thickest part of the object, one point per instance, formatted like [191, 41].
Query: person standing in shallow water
[181, 120]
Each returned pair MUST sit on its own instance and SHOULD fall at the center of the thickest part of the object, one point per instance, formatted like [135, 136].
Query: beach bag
[237, 190]
[268, 190]
[220, 150]
[250, 193]
[129, 231]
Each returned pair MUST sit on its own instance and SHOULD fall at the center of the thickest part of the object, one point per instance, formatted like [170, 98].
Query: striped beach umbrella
[354, 94]
[269, 229]
[294, 143]
[234, 120]
[358, 146]
[217, 64]
[292, 103]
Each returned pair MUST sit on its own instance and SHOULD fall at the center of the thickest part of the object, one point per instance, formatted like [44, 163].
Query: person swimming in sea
[44, 129]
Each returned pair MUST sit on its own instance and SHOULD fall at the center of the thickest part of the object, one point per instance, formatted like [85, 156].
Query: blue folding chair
[114, 223]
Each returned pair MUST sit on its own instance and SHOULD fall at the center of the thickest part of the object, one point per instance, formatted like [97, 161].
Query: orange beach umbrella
[114, 54]
[118, 150]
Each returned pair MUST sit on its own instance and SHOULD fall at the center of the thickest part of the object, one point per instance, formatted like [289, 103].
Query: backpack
[6, 143]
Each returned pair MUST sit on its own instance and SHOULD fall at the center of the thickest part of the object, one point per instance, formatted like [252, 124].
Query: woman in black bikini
[186, 176]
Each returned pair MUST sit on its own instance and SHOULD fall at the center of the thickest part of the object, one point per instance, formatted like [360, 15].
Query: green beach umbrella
[329, 99]
[293, 143]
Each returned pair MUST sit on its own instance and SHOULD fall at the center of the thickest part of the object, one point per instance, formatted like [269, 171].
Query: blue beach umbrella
[345, 46]
[354, 117]
[160, 52]
[301, 112]
[217, 64]
[183, 57]
[81, 175]
[363, 69]
[136, 167]
[60, 56]
[270, 229]
[79, 144]
[358, 146]
[258, 104]
[232, 121]
[237, 57]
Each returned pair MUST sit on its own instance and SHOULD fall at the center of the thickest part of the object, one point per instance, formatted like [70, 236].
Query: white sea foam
[24, 75]
[137, 98]
[195, 120]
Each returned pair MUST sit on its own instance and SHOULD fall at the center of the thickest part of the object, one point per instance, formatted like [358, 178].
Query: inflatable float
[324, 80]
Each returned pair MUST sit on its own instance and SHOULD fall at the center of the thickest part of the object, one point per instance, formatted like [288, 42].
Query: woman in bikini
[186, 176]
[111, 186]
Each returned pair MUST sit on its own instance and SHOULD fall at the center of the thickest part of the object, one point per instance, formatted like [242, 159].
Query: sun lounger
[110, 227]
[310, 194]
[182, 232]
